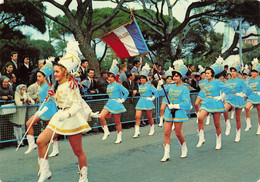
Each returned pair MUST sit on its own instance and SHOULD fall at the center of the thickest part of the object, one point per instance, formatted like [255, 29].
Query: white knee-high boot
[161, 122]
[31, 144]
[45, 172]
[151, 130]
[106, 132]
[118, 138]
[218, 142]
[228, 127]
[248, 124]
[258, 130]
[55, 149]
[83, 174]
[201, 139]
[238, 132]
[184, 150]
[137, 131]
[166, 155]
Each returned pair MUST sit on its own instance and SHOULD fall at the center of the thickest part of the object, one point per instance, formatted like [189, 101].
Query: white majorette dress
[71, 101]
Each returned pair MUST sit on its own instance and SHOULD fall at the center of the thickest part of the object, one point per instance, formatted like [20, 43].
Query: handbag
[7, 109]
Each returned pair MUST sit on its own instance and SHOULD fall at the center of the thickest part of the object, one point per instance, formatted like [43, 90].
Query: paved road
[138, 160]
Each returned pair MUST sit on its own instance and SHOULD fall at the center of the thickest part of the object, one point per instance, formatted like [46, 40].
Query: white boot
[45, 172]
[106, 132]
[218, 142]
[201, 139]
[151, 130]
[208, 120]
[137, 131]
[31, 144]
[161, 122]
[237, 139]
[228, 127]
[166, 155]
[248, 124]
[83, 174]
[118, 138]
[197, 113]
[173, 126]
[258, 130]
[184, 150]
[232, 114]
[55, 149]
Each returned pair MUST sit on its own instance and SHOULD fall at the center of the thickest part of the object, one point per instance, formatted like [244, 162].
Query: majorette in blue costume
[236, 97]
[168, 76]
[147, 95]
[117, 95]
[245, 74]
[254, 96]
[175, 113]
[46, 111]
[213, 102]
[71, 118]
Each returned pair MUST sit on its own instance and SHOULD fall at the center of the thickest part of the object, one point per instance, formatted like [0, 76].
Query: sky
[178, 12]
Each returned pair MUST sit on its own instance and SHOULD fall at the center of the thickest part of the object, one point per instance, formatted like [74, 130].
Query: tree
[81, 32]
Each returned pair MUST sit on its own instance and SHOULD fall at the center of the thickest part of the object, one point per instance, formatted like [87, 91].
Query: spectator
[12, 82]
[33, 76]
[137, 82]
[14, 62]
[82, 69]
[195, 83]
[33, 93]
[25, 70]
[102, 82]
[190, 69]
[8, 70]
[129, 68]
[136, 68]
[159, 68]
[225, 71]
[122, 73]
[6, 92]
[90, 86]
[150, 77]
[130, 85]
[21, 98]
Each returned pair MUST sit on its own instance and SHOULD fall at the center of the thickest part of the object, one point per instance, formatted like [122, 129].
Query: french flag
[127, 40]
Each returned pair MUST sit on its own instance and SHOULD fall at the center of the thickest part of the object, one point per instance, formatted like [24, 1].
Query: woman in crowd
[179, 96]
[254, 96]
[213, 102]
[26, 70]
[70, 120]
[235, 98]
[117, 95]
[145, 103]
[168, 76]
[8, 70]
[6, 92]
[47, 107]
[202, 82]
[21, 98]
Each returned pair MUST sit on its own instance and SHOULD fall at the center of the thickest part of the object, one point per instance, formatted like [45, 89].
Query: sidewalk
[138, 160]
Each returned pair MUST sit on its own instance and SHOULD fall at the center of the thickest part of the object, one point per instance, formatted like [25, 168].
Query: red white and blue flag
[127, 40]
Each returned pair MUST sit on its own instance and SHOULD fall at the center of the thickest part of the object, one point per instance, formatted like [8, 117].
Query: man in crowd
[122, 73]
[14, 62]
[33, 76]
[130, 85]
[92, 85]
[195, 83]
[102, 82]
[82, 69]
[136, 68]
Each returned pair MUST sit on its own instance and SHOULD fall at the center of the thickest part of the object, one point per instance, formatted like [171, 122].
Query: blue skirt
[180, 116]
[114, 107]
[144, 104]
[202, 96]
[52, 109]
[236, 101]
[211, 105]
[254, 98]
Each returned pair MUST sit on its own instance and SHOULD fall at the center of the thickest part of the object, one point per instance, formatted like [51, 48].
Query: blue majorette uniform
[237, 85]
[116, 91]
[254, 95]
[146, 90]
[164, 101]
[212, 89]
[50, 104]
[202, 83]
[178, 94]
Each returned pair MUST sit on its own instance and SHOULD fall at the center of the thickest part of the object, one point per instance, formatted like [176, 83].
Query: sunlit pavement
[138, 160]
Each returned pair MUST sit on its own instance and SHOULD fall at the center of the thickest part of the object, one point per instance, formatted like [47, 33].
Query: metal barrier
[96, 103]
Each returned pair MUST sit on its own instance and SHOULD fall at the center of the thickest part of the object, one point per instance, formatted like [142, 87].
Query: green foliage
[249, 56]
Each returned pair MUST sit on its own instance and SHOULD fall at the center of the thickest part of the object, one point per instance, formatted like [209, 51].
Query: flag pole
[172, 110]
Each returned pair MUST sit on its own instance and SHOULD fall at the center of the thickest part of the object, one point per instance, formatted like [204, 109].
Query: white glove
[240, 94]
[39, 113]
[25, 96]
[95, 114]
[150, 98]
[221, 97]
[50, 60]
[174, 106]
[63, 116]
[258, 93]
[120, 100]
[159, 86]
